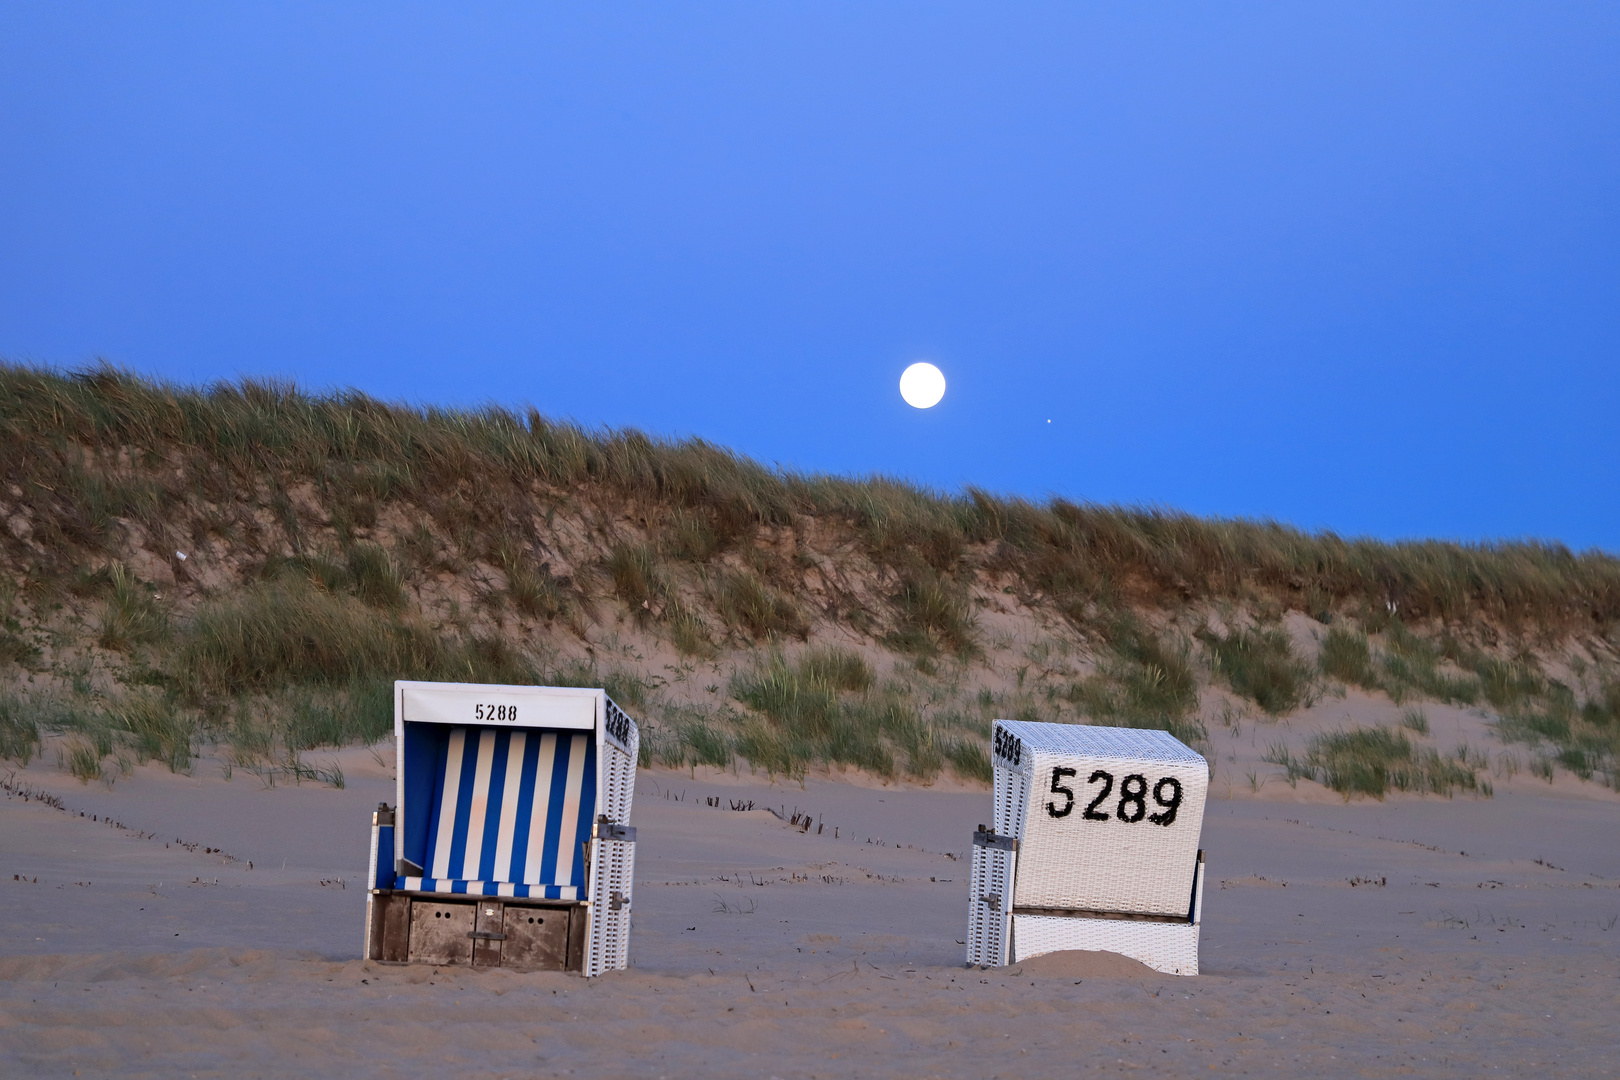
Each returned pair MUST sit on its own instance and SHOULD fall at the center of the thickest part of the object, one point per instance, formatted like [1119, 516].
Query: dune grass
[1261, 665]
[826, 707]
[131, 615]
[755, 609]
[1148, 683]
[1374, 761]
[19, 729]
[1582, 736]
[363, 452]
[261, 468]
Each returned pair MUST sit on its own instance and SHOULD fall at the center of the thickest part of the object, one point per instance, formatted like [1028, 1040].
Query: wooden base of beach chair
[477, 931]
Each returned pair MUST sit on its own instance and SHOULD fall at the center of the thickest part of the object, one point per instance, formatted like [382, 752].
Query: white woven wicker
[607, 933]
[1168, 947]
[1096, 832]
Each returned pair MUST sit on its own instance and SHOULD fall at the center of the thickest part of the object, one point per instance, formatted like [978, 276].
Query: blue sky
[1352, 267]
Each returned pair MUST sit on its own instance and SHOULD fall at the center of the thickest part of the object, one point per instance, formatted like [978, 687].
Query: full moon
[922, 385]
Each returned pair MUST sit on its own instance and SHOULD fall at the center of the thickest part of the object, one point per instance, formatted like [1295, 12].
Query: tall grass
[762, 613]
[1584, 736]
[65, 432]
[19, 730]
[131, 614]
[100, 449]
[269, 634]
[931, 613]
[825, 708]
[1260, 664]
[1148, 683]
[1374, 761]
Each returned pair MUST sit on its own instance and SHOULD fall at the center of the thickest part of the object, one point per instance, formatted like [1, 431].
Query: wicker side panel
[1168, 947]
[620, 772]
[607, 936]
[620, 775]
[989, 905]
[1011, 798]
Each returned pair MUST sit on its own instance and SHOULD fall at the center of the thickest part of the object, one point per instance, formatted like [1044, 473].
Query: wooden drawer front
[487, 943]
[536, 938]
[442, 933]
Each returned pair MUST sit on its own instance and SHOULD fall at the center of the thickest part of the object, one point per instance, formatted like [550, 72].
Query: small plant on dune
[1508, 683]
[1372, 761]
[286, 632]
[19, 730]
[375, 578]
[692, 537]
[1260, 664]
[154, 728]
[693, 736]
[838, 668]
[1415, 720]
[823, 708]
[131, 615]
[534, 592]
[932, 613]
[1347, 656]
[1584, 737]
[639, 579]
[1147, 683]
[690, 635]
[747, 604]
[969, 759]
[82, 759]
[531, 588]
[1410, 664]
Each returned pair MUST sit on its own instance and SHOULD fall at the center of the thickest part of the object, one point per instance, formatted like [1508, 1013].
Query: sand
[1428, 936]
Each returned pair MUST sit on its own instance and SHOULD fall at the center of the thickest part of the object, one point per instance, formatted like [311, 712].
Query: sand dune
[1416, 935]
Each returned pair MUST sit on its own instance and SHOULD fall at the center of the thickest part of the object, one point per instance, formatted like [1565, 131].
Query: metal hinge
[993, 900]
[987, 838]
[612, 830]
[617, 901]
[486, 935]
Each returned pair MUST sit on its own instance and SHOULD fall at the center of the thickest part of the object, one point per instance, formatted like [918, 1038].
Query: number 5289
[1133, 797]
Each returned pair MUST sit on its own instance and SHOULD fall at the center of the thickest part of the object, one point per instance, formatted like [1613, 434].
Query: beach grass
[1260, 664]
[339, 511]
[1373, 761]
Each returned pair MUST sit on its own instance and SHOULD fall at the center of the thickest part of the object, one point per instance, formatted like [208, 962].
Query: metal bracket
[992, 899]
[987, 838]
[383, 815]
[612, 830]
[406, 868]
[486, 935]
[617, 901]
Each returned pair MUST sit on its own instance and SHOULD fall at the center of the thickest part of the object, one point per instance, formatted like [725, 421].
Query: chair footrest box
[445, 930]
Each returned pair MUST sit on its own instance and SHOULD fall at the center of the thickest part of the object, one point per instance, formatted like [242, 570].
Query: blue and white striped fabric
[511, 814]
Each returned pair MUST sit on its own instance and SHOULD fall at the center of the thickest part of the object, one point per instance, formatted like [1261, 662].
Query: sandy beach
[193, 925]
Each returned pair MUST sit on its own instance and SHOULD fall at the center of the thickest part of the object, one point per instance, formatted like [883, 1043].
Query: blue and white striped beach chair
[510, 843]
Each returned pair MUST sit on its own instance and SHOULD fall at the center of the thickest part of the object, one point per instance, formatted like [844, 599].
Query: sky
[1351, 267]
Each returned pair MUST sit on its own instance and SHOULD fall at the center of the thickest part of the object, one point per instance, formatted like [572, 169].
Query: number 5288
[1133, 797]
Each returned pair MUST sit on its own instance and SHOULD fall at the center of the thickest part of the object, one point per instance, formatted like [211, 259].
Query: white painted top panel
[1085, 740]
[497, 706]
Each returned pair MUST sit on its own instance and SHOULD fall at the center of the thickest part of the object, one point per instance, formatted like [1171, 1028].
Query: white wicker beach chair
[1093, 844]
[510, 844]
